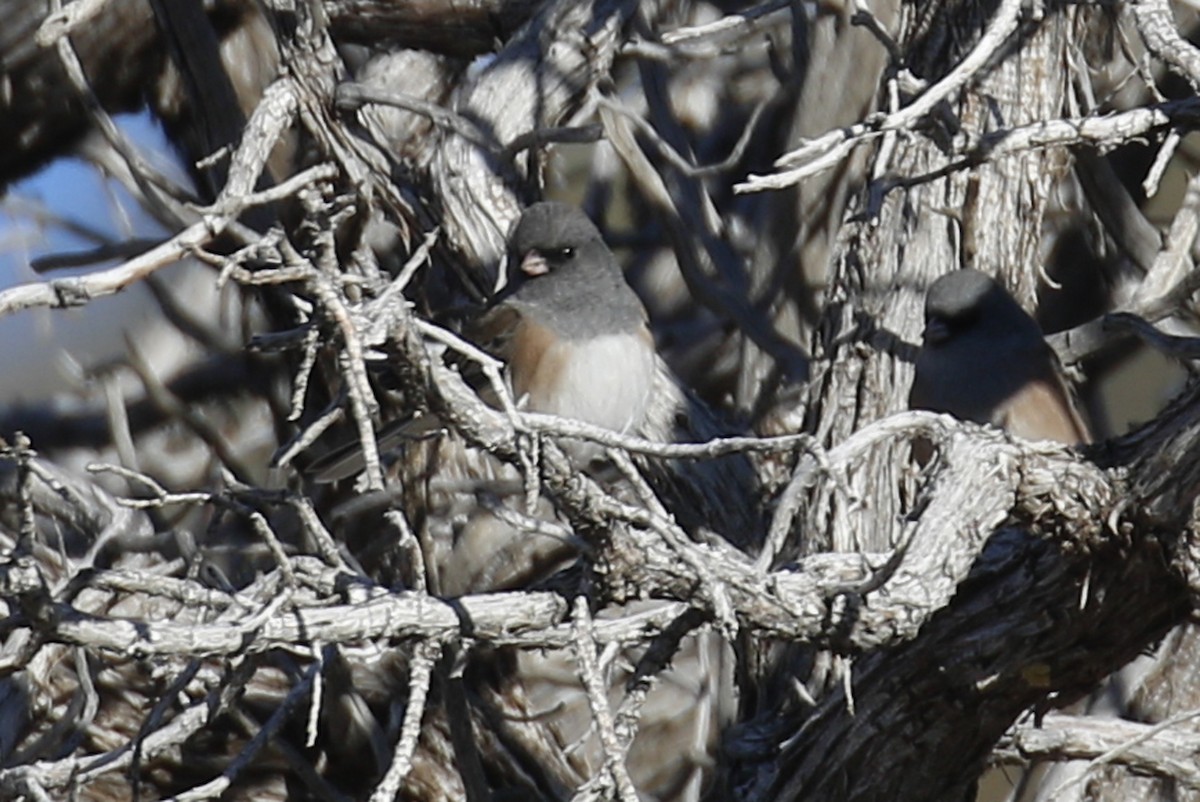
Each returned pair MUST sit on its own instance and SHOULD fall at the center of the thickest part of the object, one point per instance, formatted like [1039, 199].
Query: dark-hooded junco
[984, 360]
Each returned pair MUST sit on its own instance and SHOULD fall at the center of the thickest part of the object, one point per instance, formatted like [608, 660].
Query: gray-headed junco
[984, 360]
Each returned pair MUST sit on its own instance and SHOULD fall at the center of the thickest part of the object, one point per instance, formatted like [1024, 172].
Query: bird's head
[554, 238]
[966, 302]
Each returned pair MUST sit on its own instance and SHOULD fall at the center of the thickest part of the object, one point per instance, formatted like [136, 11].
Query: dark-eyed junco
[575, 341]
[984, 360]
[570, 330]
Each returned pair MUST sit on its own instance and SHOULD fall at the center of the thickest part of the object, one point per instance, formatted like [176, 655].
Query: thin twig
[424, 657]
[597, 695]
[831, 148]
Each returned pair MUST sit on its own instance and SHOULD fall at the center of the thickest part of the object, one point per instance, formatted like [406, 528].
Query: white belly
[606, 381]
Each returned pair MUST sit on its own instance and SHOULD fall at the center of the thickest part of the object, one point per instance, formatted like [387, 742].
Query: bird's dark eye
[566, 253]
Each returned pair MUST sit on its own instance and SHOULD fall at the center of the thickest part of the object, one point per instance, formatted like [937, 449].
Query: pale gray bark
[800, 612]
